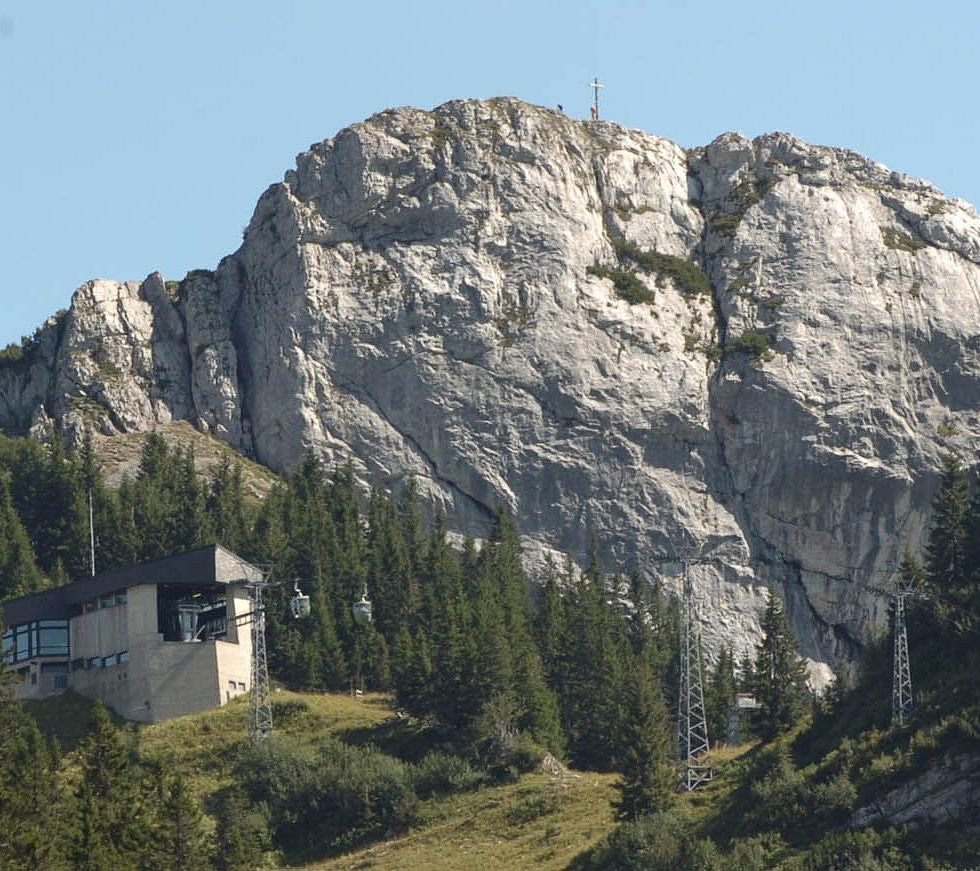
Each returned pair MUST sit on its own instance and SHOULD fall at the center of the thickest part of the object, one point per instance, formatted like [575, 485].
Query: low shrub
[901, 241]
[755, 345]
[531, 808]
[440, 773]
[689, 277]
[627, 284]
[339, 795]
[655, 843]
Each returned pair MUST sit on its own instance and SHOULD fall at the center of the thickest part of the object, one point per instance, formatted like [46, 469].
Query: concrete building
[153, 641]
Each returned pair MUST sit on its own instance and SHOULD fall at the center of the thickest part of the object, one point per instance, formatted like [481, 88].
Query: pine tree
[225, 505]
[30, 794]
[596, 658]
[19, 573]
[242, 832]
[110, 830]
[946, 549]
[647, 785]
[179, 842]
[720, 697]
[779, 674]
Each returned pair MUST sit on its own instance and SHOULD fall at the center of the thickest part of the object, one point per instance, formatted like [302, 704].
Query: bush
[627, 284]
[655, 843]
[901, 241]
[288, 711]
[340, 795]
[756, 345]
[690, 277]
[13, 353]
[440, 773]
[835, 799]
[532, 807]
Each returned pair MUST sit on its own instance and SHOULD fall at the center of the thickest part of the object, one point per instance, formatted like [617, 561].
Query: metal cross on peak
[595, 84]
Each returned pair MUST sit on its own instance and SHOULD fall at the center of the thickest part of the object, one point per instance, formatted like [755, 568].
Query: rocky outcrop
[947, 791]
[755, 351]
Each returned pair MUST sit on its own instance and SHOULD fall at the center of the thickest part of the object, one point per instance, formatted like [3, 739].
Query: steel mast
[901, 665]
[692, 725]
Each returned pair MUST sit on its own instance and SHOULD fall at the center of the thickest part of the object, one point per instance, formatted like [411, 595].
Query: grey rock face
[421, 296]
[947, 791]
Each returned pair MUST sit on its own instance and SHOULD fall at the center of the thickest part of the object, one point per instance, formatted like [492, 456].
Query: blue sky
[137, 136]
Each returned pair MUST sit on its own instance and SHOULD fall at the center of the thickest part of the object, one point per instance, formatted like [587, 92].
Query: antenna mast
[692, 726]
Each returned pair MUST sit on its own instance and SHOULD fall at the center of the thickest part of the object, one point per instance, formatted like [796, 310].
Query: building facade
[152, 641]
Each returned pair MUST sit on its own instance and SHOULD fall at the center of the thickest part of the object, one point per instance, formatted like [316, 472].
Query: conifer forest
[485, 675]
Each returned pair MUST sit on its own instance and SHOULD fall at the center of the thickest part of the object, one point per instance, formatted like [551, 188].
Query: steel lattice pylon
[692, 726]
[901, 665]
[902, 672]
[260, 713]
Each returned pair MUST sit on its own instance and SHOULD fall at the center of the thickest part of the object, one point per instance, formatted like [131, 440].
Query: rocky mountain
[755, 352]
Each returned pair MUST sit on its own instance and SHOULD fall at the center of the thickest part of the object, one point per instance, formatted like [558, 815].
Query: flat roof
[211, 564]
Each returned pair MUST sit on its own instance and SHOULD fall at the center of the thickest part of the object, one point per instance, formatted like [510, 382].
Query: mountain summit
[755, 351]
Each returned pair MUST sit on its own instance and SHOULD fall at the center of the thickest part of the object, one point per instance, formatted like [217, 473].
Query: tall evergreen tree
[30, 792]
[946, 548]
[19, 573]
[779, 674]
[720, 697]
[648, 781]
[179, 839]
[111, 830]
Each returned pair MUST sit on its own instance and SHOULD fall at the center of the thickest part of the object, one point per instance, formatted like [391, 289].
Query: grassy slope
[119, 455]
[538, 822]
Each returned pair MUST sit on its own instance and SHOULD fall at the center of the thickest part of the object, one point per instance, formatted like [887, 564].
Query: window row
[31, 640]
[96, 662]
[109, 600]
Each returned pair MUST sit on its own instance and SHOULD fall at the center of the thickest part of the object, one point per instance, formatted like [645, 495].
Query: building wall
[111, 685]
[170, 679]
[161, 679]
[101, 633]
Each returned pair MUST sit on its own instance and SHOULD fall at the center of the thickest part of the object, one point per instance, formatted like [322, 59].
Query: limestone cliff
[756, 350]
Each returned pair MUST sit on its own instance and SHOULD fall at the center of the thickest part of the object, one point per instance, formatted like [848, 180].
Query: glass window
[122, 657]
[54, 668]
[121, 597]
[94, 662]
[52, 638]
[22, 636]
[105, 601]
[91, 605]
[108, 661]
[8, 643]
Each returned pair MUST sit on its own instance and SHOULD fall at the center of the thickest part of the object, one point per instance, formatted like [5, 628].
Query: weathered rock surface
[946, 792]
[419, 296]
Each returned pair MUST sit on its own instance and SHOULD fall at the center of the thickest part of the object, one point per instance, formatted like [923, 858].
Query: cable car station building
[152, 641]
